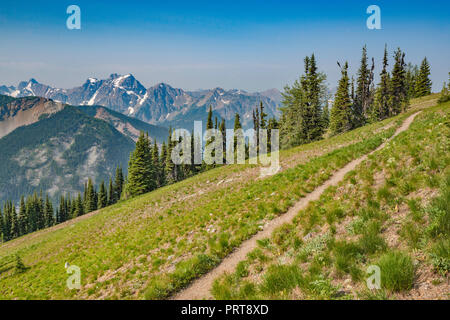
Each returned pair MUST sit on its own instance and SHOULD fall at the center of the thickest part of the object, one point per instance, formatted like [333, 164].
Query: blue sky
[251, 45]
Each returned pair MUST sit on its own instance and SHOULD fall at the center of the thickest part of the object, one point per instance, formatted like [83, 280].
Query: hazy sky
[250, 45]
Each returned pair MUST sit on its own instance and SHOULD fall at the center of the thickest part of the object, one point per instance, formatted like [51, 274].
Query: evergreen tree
[363, 95]
[102, 196]
[78, 206]
[156, 164]
[412, 72]
[256, 124]
[90, 201]
[48, 213]
[162, 161]
[61, 214]
[22, 217]
[381, 108]
[169, 166]
[210, 140]
[262, 116]
[111, 193]
[140, 168]
[302, 112]
[237, 126]
[118, 184]
[423, 82]
[341, 113]
[399, 94]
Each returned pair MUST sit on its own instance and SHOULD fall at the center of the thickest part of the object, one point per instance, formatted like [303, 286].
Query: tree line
[306, 116]
[36, 212]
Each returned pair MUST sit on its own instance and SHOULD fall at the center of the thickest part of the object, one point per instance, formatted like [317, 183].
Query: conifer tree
[256, 121]
[139, 168]
[210, 140]
[412, 72]
[14, 222]
[156, 165]
[380, 110]
[22, 217]
[118, 184]
[363, 97]
[90, 201]
[48, 212]
[262, 117]
[302, 112]
[78, 206]
[423, 82]
[162, 161]
[399, 94]
[61, 213]
[169, 167]
[102, 196]
[341, 113]
[222, 129]
[111, 193]
[237, 126]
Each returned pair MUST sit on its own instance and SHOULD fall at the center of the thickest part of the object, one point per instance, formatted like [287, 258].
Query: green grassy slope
[393, 211]
[155, 244]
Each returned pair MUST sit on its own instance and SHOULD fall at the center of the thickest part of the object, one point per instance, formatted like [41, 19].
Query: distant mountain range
[53, 147]
[160, 104]
[55, 139]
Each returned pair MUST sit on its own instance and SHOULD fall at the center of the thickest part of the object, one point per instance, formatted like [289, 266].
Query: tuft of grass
[397, 271]
[281, 278]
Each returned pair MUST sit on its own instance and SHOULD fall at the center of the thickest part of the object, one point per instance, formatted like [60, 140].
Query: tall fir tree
[363, 95]
[118, 183]
[90, 200]
[423, 82]
[237, 126]
[341, 113]
[302, 107]
[139, 168]
[412, 72]
[102, 196]
[169, 166]
[380, 110]
[48, 212]
[111, 193]
[399, 94]
[78, 206]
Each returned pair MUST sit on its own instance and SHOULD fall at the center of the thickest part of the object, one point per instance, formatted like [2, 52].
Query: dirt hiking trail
[200, 288]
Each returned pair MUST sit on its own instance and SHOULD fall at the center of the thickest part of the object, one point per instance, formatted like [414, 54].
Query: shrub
[440, 256]
[397, 271]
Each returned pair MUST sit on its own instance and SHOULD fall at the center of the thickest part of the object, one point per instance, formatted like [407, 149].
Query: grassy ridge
[151, 246]
[393, 211]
